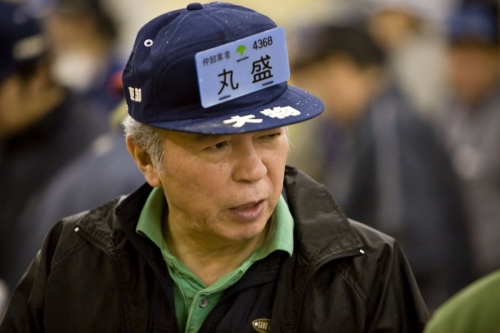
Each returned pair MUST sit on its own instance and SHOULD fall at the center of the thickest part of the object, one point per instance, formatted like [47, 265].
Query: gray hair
[148, 137]
[151, 139]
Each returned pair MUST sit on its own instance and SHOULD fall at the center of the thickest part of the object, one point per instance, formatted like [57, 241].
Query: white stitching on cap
[135, 94]
[280, 112]
[240, 121]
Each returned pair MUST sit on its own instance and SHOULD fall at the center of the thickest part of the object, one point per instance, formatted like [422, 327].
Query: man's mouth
[249, 211]
[248, 205]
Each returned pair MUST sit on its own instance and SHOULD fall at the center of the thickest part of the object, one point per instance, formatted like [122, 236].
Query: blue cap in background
[21, 38]
[474, 22]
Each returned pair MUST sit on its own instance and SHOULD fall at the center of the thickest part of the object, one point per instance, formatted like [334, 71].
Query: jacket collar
[321, 228]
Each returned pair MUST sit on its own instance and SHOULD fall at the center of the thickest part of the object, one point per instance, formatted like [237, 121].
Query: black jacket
[95, 274]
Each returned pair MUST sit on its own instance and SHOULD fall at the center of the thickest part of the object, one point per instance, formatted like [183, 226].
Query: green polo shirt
[193, 300]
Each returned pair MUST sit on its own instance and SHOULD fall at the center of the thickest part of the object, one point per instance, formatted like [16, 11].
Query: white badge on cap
[242, 67]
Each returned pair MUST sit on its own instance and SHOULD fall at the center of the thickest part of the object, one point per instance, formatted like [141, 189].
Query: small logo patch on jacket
[262, 325]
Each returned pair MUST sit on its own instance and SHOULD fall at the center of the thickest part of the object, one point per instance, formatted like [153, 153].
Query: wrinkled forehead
[192, 140]
[179, 136]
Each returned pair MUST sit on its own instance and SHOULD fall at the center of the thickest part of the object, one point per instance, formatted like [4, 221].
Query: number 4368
[260, 43]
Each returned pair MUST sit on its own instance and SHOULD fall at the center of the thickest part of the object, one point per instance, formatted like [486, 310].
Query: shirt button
[203, 303]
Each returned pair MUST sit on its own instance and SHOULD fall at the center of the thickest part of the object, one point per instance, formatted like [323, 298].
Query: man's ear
[144, 163]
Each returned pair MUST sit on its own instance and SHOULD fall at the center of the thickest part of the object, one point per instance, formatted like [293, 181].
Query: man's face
[474, 71]
[12, 115]
[392, 26]
[22, 102]
[345, 89]
[223, 187]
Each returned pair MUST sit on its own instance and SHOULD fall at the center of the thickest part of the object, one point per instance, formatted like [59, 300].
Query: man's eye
[271, 136]
[219, 145]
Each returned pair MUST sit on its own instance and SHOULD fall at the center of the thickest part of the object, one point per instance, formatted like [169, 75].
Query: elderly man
[223, 237]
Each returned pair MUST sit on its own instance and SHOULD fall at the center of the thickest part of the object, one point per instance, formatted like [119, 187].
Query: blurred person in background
[415, 45]
[470, 126]
[42, 127]
[101, 173]
[381, 161]
[84, 36]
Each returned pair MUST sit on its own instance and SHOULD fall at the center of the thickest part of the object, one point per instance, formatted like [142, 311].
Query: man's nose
[248, 164]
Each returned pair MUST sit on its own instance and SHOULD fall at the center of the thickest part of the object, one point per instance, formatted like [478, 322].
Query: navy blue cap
[161, 84]
[474, 22]
[21, 38]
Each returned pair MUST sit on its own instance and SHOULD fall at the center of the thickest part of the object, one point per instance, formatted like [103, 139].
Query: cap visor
[293, 106]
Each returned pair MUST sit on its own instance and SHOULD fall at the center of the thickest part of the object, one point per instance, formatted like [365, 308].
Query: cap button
[194, 6]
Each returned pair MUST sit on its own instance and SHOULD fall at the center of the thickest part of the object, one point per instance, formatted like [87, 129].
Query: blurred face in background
[473, 71]
[17, 109]
[11, 115]
[344, 87]
[26, 98]
[392, 27]
[80, 50]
